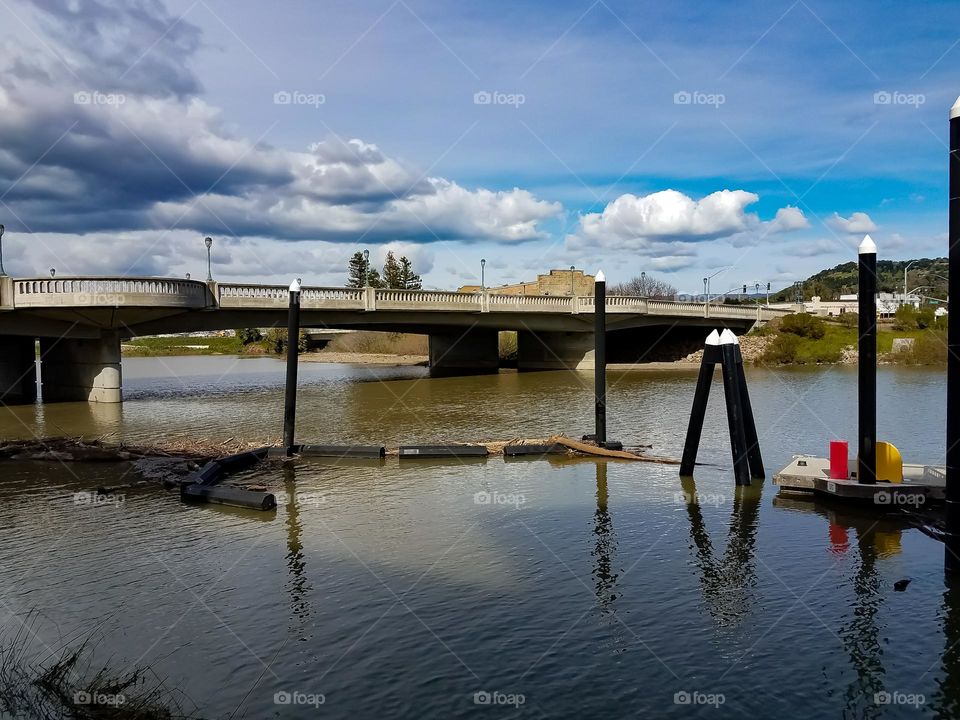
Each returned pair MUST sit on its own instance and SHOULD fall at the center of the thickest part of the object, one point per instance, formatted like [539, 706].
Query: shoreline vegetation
[911, 338]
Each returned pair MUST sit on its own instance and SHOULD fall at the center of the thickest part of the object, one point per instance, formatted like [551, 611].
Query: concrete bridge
[80, 323]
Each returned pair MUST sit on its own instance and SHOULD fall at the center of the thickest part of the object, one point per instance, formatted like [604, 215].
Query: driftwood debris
[588, 449]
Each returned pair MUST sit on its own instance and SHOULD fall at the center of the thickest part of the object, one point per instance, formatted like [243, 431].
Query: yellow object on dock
[889, 463]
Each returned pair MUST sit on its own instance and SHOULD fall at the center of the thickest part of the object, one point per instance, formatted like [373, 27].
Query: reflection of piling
[734, 398]
[867, 362]
[293, 349]
[953, 355]
[600, 357]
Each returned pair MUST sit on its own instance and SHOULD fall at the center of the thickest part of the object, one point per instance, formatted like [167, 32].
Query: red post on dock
[839, 460]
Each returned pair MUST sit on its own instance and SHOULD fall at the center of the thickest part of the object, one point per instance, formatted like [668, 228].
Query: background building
[556, 282]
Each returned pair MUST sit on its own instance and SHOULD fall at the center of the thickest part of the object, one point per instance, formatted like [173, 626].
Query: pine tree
[356, 271]
[392, 272]
[374, 280]
[409, 280]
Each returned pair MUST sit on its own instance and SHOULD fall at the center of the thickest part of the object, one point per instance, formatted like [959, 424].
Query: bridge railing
[107, 292]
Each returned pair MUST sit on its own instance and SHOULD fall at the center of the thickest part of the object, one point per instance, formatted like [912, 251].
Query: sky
[753, 141]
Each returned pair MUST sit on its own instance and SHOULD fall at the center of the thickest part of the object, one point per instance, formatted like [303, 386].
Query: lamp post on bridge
[2, 271]
[483, 284]
[366, 268]
[208, 241]
[572, 291]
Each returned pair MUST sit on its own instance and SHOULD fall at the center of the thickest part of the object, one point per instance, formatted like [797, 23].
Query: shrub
[782, 349]
[248, 336]
[928, 348]
[803, 325]
[508, 345]
[276, 341]
[905, 318]
[849, 319]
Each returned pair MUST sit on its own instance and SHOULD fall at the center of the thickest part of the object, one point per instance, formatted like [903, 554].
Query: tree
[409, 280]
[357, 271]
[645, 286]
[391, 272]
[360, 274]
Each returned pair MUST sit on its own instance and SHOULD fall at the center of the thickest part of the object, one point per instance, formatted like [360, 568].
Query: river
[561, 588]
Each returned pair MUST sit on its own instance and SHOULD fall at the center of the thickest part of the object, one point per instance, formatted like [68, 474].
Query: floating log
[603, 452]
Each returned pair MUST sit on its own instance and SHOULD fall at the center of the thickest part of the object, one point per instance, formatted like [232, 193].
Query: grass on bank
[803, 339]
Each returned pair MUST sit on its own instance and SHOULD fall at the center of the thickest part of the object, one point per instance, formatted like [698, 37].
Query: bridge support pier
[555, 350]
[473, 352]
[81, 370]
[18, 370]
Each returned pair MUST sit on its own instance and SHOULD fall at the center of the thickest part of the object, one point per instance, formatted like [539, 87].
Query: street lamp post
[643, 284]
[572, 291]
[706, 281]
[483, 282]
[2, 272]
[208, 241]
[366, 268]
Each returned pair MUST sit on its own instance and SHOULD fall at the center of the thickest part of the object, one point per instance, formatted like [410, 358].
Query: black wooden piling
[754, 459]
[600, 357]
[711, 356]
[952, 539]
[734, 399]
[293, 350]
[867, 362]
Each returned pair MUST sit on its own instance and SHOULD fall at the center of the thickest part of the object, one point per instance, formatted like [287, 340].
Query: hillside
[842, 279]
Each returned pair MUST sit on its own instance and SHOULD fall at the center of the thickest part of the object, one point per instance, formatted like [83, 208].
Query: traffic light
[744, 289]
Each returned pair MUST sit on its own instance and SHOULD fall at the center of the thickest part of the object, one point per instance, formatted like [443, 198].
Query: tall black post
[952, 541]
[867, 362]
[711, 356]
[293, 351]
[749, 424]
[600, 356]
[734, 398]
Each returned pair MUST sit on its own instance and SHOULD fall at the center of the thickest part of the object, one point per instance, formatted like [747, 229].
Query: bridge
[81, 322]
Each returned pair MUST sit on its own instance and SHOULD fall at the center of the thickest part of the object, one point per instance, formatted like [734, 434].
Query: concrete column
[18, 370]
[457, 353]
[554, 350]
[78, 370]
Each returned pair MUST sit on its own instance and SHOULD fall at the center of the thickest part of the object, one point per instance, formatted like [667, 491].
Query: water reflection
[728, 581]
[298, 585]
[605, 545]
[946, 700]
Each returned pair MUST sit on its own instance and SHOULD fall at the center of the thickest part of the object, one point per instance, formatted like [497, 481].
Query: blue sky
[668, 138]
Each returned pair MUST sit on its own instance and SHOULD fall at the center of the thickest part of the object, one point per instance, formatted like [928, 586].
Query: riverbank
[361, 358]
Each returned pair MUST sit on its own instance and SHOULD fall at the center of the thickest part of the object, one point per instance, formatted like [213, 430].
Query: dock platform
[809, 474]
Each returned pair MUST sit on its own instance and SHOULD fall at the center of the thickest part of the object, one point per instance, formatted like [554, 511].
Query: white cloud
[857, 223]
[652, 224]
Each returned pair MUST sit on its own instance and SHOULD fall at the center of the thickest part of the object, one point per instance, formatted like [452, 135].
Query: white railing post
[574, 305]
[706, 309]
[6, 292]
[369, 299]
[485, 301]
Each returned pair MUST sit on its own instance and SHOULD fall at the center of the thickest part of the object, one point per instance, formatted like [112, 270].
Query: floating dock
[809, 474]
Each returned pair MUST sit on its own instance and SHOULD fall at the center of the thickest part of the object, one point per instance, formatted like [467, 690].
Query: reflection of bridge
[81, 321]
